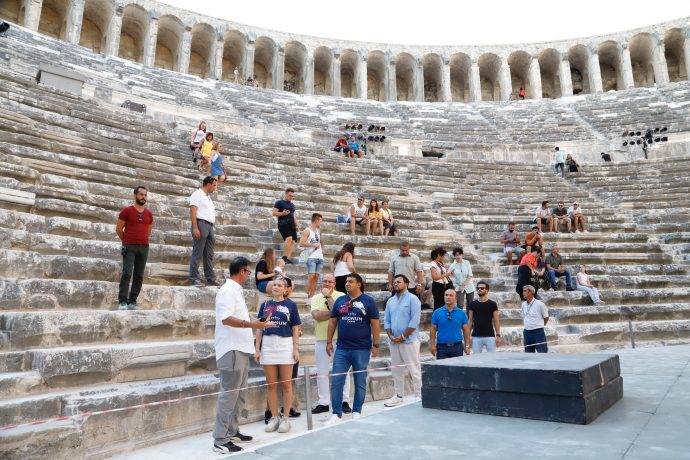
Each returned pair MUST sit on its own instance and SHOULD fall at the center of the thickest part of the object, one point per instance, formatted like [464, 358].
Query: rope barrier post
[307, 399]
[631, 332]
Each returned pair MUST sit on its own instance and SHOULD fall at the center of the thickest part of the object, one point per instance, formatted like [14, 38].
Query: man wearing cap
[560, 215]
[576, 216]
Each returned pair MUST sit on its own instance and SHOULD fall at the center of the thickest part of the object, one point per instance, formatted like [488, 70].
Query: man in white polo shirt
[535, 315]
[202, 213]
[234, 344]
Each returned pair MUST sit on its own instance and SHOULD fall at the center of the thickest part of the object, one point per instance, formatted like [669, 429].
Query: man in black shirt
[606, 157]
[284, 210]
[560, 215]
[484, 321]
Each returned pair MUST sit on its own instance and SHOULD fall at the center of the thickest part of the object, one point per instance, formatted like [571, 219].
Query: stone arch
[610, 66]
[53, 20]
[9, 10]
[234, 52]
[519, 62]
[135, 26]
[295, 66]
[578, 57]
[349, 66]
[432, 67]
[490, 76]
[549, 66]
[264, 58]
[460, 67]
[94, 24]
[376, 76]
[168, 42]
[641, 47]
[323, 66]
[405, 65]
[200, 52]
[675, 59]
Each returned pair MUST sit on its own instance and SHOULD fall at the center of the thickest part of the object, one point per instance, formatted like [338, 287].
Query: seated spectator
[217, 169]
[555, 268]
[341, 146]
[571, 164]
[533, 239]
[560, 215]
[511, 243]
[354, 148]
[374, 218]
[541, 277]
[197, 137]
[606, 157]
[543, 216]
[358, 215]
[388, 222]
[521, 93]
[205, 149]
[577, 217]
[268, 269]
[527, 272]
[583, 284]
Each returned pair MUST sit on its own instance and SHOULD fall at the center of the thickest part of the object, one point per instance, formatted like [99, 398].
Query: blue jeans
[448, 350]
[530, 338]
[562, 167]
[552, 278]
[342, 361]
[314, 265]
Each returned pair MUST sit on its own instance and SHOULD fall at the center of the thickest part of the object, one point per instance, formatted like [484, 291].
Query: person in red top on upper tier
[134, 225]
[527, 271]
[521, 93]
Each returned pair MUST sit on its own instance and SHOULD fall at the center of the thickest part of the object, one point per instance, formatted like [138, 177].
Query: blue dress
[217, 166]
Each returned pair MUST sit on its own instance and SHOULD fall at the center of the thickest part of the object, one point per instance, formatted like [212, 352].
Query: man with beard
[134, 225]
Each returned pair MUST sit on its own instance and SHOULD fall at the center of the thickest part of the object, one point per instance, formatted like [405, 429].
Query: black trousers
[524, 278]
[133, 264]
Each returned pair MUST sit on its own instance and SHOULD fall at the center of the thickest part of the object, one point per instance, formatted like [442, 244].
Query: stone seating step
[623, 270]
[617, 296]
[579, 247]
[621, 313]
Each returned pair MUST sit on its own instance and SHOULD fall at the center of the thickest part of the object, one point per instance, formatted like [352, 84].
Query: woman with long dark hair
[440, 276]
[343, 265]
[197, 137]
[375, 218]
[267, 271]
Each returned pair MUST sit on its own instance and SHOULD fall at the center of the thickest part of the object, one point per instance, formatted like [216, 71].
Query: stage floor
[652, 421]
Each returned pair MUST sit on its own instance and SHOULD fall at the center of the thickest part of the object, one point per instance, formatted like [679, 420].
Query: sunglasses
[481, 288]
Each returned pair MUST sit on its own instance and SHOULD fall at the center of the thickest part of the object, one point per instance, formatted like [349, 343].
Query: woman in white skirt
[277, 349]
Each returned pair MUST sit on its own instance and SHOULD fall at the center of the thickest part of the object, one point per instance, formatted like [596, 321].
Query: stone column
[626, 67]
[151, 40]
[535, 78]
[75, 14]
[217, 58]
[392, 95]
[594, 72]
[309, 72]
[505, 80]
[247, 68]
[279, 70]
[475, 83]
[185, 50]
[362, 79]
[686, 53]
[112, 42]
[335, 75]
[659, 63]
[565, 78]
[32, 13]
[418, 84]
[445, 81]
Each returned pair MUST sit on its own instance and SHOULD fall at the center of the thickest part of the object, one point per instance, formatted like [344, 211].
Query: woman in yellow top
[206, 149]
[375, 218]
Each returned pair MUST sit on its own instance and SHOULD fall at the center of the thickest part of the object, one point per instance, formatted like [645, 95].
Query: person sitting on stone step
[388, 221]
[354, 148]
[195, 140]
[341, 146]
[358, 215]
[543, 216]
[533, 239]
[374, 218]
[577, 217]
[571, 164]
[268, 269]
[583, 284]
[511, 243]
[606, 157]
[560, 215]
[555, 268]
[521, 93]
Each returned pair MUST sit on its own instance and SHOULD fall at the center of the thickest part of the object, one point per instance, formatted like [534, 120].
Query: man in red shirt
[134, 225]
[526, 270]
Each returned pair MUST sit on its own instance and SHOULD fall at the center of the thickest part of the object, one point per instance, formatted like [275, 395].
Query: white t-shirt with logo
[206, 210]
[230, 302]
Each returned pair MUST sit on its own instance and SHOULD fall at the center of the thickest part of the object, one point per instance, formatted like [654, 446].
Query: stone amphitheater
[463, 157]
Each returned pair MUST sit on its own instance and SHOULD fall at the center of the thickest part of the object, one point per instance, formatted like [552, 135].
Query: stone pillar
[151, 40]
[565, 78]
[686, 53]
[32, 13]
[217, 58]
[335, 75]
[392, 95]
[659, 63]
[626, 67]
[505, 80]
[362, 79]
[535, 78]
[185, 50]
[247, 69]
[309, 72]
[594, 72]
[75, 13]
[418, 84]
[279, 70]
[475, 83]
[112, 42]
[445, 81]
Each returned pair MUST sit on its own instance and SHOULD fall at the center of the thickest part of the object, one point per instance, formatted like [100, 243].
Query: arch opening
[675, 58]
[519, 63]
[323, 64]
[376, 76]
[168, 42]
[460, 67]
[94, 24]
[610, 66]
[200, 55]
[641, 47]
[135, 25]
[349, 66]
[578, 57]
[489, 76]
[549, 66]
[264, 58]
[234, 49]
[9, 11]
[404, 77]
[432, 68]
[53, 20]
[295, 59]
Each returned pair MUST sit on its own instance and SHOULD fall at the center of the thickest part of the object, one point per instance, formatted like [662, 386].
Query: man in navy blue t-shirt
[357, 319]
[284, 210]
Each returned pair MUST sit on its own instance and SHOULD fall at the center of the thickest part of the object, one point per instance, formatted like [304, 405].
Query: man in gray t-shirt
[409, 265]
[511, 243]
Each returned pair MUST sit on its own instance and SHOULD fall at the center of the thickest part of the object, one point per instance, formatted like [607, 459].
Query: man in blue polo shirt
[401, 321]
[447, 323]
[357, 319]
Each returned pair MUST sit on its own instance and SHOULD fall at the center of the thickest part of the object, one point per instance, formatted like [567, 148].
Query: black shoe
[227, 448]
[320, 409]
[267, 416]
[294, 413]
[569, 289]
[346, 408]
[212, 283]
[287, 260]
[239, 437]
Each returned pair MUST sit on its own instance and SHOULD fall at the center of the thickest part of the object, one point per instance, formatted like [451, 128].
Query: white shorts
[276, 350]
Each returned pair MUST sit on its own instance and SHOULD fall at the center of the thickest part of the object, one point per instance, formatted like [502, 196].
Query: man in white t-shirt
[234, 345]
[542, 216]
[577, 217]
[535, 315]
[358, 214]
[202, 214]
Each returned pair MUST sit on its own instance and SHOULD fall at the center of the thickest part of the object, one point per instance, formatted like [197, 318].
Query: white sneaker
[272, 425]
[356, 415]
[284, 426]
[332, 420]
[394, 401]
